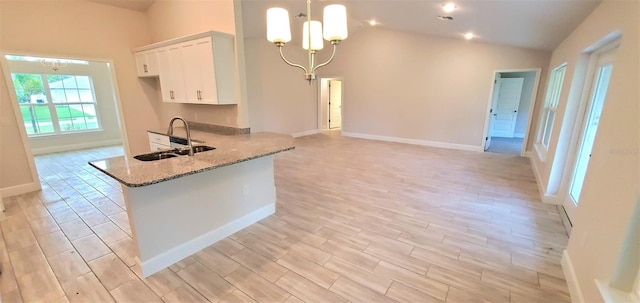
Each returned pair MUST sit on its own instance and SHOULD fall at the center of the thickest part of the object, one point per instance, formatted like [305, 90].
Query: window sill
[99, 130]
[614, 295]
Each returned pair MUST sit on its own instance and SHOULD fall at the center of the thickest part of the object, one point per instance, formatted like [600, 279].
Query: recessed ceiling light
[449, 7]
[468, 36]
[373, 22]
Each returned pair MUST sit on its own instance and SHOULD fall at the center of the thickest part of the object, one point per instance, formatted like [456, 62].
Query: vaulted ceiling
[536, 24]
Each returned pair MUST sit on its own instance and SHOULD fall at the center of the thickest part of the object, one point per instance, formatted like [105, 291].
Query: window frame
[547, 121]
[51, 106]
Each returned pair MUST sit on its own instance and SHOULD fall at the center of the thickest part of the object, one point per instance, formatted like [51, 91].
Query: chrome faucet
[170, 132]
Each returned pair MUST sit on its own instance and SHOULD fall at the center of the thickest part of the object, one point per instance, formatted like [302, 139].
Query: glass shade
[316, 35]
[278, 29]
[335, 22]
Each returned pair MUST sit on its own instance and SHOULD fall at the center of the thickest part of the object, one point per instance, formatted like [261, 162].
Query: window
[55, 104]
[550, 106]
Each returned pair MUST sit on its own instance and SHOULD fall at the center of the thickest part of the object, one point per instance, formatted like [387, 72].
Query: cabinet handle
[146, 70]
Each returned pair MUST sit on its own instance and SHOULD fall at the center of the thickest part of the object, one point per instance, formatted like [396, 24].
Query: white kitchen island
[180, 205]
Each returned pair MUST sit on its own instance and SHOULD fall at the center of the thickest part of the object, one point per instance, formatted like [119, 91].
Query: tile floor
[356, 220]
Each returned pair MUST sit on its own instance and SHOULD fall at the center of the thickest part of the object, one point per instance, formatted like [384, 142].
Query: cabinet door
[152, 63]
[208, 89]
[200, 78]
[158, 142]
[192, 80]
[147, 63]
[141, 64]
[171, 74]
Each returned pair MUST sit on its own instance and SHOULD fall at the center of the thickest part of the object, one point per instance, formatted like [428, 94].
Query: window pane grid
[72, 107]
[551, 104]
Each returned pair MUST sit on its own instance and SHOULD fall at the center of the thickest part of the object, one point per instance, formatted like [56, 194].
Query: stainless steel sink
[172, 153]
[196, 149]
[155, 156]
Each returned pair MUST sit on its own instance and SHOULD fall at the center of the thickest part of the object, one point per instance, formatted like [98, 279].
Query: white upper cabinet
[200, 74]
[171, 74]
[197, 69]
[147, 63]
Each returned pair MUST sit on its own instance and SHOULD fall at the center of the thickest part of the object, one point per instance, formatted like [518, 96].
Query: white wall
[612, 183]
[396, 84]
[525, 100]
[173, 19]
[106, 108]
[280, 100]
[74, 29]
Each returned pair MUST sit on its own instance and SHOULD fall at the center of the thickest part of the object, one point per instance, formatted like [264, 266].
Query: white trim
[536, 173]
[19, 189]
[614, 295]
[475, 148]
[571, 278]
[541, 151]
[70, 147]
[532, 106]
[120, 109]
[546, 198]
[306, 133]
[176, 254]
[566, 222]
[21, 128]
[552, 199]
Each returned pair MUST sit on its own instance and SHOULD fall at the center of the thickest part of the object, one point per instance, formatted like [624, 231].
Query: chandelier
[54, 64]
[335, 30]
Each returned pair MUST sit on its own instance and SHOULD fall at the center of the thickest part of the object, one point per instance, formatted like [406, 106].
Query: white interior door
[505, 113]
[335, 104]
[591, 118]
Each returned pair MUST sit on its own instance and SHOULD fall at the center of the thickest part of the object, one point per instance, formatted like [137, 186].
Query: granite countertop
[229, 150]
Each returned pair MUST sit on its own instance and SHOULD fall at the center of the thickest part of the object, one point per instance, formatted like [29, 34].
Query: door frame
[320, 102]
[36, 185]
[578, 125]
[532, 104]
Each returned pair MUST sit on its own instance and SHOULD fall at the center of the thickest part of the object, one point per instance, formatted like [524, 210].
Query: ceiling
[136, 5]
[536, 24]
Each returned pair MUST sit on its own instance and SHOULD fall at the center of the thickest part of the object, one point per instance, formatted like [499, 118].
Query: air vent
[445, 18]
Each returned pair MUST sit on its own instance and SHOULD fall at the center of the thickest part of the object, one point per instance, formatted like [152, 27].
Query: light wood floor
[356, 220]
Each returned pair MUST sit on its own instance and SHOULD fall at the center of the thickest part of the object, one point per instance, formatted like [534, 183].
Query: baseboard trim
[19, 189]
[178, 253]
[571, 278]
[306, 133]
[519, 136]
[536, 173]
[416, 142]
[566, 222]
[71, 147]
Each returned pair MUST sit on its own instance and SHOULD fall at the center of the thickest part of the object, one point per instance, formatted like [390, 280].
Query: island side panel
[174, 219]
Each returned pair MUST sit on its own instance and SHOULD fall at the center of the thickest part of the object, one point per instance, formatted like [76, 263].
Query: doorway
[58, 106]
[64, 104]
[589, 118]
[510, 108]
[331, 95]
